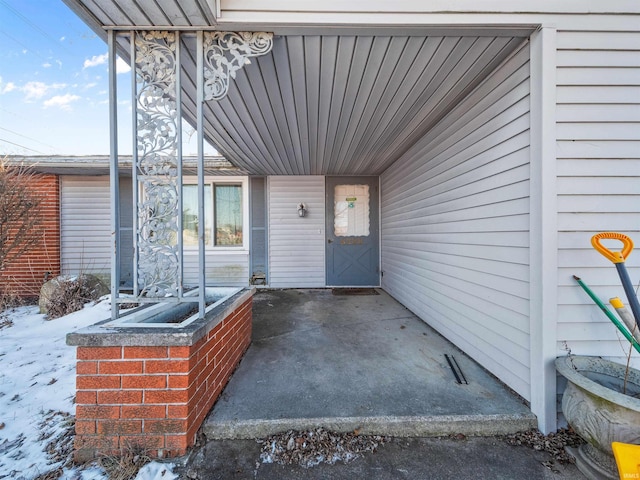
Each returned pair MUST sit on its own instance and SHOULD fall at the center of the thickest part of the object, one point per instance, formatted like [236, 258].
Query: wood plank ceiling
[322, 104]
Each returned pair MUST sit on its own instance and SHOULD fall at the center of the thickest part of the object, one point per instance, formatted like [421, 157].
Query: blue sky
[54, 83]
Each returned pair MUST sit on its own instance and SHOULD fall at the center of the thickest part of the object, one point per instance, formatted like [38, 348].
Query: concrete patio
[356, 362]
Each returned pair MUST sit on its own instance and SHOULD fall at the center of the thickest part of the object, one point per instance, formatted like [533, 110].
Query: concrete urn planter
[596, 408]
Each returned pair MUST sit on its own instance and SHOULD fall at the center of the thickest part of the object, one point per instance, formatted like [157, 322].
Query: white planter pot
[596, 408]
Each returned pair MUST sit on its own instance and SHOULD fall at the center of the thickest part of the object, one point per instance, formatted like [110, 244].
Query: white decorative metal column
[157, 166]
[157, 150]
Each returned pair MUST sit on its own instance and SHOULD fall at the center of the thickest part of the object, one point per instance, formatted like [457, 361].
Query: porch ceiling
[323, 104]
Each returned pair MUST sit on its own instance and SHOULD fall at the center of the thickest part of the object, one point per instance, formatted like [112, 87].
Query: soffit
[324, 104]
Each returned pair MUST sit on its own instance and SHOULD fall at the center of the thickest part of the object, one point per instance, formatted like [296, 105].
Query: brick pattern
[154, 398]
[25, 276]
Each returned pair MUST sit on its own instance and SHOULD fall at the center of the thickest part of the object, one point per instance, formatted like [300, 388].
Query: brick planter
[150, 389]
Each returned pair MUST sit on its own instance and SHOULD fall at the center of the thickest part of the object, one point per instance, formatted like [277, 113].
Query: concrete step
[394, 426]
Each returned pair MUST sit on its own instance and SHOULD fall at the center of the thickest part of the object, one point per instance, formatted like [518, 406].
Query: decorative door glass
[351, 210]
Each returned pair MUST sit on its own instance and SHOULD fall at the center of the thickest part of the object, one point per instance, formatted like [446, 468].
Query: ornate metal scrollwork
[227, 52]
[157, 148]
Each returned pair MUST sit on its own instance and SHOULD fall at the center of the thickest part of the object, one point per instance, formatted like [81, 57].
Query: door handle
[329, 240]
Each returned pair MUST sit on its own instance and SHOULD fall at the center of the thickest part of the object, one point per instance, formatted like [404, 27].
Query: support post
[200, 139]
[543, 242]
[113, 175]
[134, 163]
[179, 167]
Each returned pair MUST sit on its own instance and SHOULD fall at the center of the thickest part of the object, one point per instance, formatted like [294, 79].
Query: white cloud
[121, 66]
[61, 101]
[96, 60]
[46, 65]
[62, 39]
[90, 85]
[6, 87]
[35, 90]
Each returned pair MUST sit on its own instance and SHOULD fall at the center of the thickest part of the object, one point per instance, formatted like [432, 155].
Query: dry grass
[125, 466]
[59, 447]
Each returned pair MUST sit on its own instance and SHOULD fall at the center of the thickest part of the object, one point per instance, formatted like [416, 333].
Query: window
[351, 211]
[223, 210]
[228, 218]
[190, 215]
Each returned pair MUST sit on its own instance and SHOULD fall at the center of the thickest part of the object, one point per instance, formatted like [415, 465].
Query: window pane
[190, 215]
[351, 210]
[228, 214]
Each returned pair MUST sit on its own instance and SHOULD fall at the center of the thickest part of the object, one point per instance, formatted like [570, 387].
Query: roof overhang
[328, 99]
[91, 165]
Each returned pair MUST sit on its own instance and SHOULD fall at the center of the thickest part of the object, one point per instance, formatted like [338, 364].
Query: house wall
[296, 245]
[598, 168]
[86, 236]
[85, 228]
[24, 277]
[455, 221]
[228, 268]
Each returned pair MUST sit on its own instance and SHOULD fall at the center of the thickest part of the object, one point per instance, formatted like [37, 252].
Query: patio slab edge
[393, 426]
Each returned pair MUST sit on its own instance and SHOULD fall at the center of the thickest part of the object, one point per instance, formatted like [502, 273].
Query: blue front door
[352, 232]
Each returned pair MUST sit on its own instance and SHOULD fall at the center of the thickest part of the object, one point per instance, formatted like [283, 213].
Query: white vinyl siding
[296, 245]
[455, 225]
[598, 133]
[226, 269]
[85, 225]
[86, 236]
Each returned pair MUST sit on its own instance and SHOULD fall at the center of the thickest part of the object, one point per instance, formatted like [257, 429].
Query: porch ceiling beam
[407, 30]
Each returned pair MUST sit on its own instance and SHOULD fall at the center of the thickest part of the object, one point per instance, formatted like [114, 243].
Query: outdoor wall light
[302, 209]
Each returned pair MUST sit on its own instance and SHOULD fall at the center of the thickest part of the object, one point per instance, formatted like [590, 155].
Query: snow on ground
[37, 390]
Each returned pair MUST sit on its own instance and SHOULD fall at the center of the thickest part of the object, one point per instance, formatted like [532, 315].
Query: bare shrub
[70, 296]
[9, 299]
[19, 212]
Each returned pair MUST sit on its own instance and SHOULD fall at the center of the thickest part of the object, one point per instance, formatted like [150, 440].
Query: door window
[351, 211]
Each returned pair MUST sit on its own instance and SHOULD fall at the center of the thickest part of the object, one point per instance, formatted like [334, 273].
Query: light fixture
[302, 209]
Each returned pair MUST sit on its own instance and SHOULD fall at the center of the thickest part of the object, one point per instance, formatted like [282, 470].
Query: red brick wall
[154, 398]
[24, 276]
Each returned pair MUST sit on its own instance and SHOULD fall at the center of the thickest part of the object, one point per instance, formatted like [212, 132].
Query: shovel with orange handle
[618, 259]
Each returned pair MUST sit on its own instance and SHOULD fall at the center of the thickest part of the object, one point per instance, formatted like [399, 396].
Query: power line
[21, 146]
[24, 46]
[14, 113]
[28, 138]
[33, 25]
